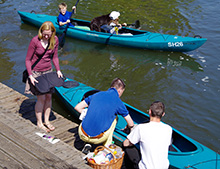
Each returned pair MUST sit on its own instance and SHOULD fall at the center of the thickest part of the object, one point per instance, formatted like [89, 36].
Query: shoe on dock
[86, 149]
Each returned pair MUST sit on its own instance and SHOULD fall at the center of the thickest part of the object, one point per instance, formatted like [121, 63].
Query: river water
[188, 83]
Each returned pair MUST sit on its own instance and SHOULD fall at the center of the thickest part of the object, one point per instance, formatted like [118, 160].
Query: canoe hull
[184, 152]
[140, 39]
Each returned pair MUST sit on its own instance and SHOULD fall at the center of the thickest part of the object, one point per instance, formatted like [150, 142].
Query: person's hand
[59, 74]
[135, 125]
[124, 24]
[68, 21]
[33, 80]
[74, 8]
[119, 26]
[126, 130]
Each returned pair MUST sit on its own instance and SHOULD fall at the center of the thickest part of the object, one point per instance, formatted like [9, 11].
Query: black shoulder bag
[25, 72]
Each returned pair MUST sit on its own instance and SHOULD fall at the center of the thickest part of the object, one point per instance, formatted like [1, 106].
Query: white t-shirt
[154, 139]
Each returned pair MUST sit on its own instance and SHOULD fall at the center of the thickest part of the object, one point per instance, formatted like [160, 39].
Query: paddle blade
[137, 24]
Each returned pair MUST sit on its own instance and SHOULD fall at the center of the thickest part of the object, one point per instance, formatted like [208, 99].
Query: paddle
[62, 37]
[136, 24]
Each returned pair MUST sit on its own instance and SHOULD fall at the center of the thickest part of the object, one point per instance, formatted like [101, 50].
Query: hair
[48, 26]
[116, 21]
[61, 5]
[157, 109]
[118, 83]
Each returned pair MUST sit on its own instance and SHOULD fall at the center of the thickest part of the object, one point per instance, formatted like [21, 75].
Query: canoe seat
[83, 27]
[91, 92]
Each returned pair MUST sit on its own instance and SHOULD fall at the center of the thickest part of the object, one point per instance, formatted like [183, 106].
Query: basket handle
[99, 148]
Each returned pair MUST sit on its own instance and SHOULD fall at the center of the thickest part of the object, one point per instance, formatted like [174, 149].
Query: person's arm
[63, 20]
[127, 143]
[56, 59]
[30, 53]
[133, 137]
[64, 23]
[124, 24]
[129, 121]
[80, 106]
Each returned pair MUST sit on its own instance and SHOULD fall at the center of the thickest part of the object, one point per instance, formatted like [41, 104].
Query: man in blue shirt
[64, 16]
[101, 118]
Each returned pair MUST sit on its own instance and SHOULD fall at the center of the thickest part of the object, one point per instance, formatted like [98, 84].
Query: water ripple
[205, 79]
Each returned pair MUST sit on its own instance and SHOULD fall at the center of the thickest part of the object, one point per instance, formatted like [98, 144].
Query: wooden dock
[21, 147]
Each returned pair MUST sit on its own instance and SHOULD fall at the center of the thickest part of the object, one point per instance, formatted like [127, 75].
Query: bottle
[109, 156]
[119, 152]
[112, 147]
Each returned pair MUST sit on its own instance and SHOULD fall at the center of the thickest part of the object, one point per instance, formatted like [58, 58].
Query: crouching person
[103, 107]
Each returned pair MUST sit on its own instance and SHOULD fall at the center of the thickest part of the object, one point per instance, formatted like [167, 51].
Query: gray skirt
[31, 89]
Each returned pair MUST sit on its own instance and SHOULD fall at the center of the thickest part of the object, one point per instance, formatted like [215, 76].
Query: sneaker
[86, 149]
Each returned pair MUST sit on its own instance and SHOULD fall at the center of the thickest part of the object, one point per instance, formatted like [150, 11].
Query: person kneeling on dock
[103, 107]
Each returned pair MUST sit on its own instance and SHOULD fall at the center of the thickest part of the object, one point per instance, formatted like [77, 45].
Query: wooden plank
[20, 147]
[17, 152]
[27, 151]
[6, 161]
[64, 135]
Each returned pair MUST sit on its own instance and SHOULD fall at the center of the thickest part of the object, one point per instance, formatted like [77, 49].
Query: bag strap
[39, 58]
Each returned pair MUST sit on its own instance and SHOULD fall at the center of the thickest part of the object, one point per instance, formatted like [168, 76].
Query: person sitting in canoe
[64, 15]
[154, 139]
[103, 107]
[113, 26]
[106, 20]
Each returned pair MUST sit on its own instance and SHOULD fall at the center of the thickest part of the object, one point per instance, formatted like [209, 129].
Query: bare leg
[47, 110]
[39, 111]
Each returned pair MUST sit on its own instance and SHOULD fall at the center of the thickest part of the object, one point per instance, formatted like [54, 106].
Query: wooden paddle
[62, 37]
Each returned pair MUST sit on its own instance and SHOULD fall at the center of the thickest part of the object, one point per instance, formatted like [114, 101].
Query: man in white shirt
[154, 139]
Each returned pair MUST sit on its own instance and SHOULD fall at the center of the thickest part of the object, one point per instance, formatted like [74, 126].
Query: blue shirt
[103, 108]
[64, 18]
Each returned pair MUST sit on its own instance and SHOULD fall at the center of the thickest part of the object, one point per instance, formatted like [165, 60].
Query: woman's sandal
[50, 126]
[44, 128]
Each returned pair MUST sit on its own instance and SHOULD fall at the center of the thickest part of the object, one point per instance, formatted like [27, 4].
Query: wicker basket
[116, 164]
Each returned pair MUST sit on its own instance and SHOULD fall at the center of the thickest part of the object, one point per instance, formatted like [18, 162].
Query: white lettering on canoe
[90, 34]
[175, 44]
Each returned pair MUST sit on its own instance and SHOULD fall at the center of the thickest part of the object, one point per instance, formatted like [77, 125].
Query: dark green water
[188, 83]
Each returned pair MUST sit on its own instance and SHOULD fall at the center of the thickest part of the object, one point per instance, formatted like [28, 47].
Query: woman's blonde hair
[48, 26]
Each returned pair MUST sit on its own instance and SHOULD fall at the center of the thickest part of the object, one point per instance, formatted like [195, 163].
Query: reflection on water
[5, 64]
[136, 57]
[153, 72]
